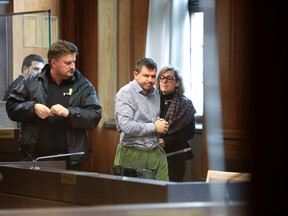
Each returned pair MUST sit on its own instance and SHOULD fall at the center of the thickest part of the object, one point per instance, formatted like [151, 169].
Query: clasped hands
[43, 111]
[162, 126]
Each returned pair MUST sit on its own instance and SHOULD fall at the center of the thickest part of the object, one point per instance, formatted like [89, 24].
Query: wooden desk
[65, 187]
[9, 144]
[156, 209]
[9, 134]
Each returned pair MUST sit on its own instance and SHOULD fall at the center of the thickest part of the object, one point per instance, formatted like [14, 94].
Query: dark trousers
[176, 171]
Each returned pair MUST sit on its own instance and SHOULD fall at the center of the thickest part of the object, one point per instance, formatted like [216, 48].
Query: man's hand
[161, 142]
[59, 110]
[42, 111]
[161, 126]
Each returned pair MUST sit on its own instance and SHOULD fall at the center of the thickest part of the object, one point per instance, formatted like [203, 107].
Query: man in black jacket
[32, 63]
[56, 108]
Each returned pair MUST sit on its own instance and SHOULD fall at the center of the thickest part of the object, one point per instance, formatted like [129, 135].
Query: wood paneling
[232, 27]
[132, 31]
[107, 11]
[124, 74]
[104, 149]
[232, 24]
[111, 37]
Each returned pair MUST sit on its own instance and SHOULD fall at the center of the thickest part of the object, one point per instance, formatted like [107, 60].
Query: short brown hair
[60, 48]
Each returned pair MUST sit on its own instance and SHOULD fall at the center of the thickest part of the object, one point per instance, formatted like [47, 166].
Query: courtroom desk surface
[88, 189]
[155, 209]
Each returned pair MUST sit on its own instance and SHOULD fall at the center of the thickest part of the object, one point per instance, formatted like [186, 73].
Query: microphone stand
[53, 156]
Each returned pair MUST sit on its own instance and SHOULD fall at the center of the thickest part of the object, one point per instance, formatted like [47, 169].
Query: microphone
[178, 152]
[53, 156]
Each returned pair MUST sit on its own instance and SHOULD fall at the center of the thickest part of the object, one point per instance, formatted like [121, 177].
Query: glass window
[196, 61]
[22, 34]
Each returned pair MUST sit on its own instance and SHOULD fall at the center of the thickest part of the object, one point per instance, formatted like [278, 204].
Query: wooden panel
[162, 209]
[237, 148]
[31, 30]
[90, 189]
[107, 63]
[87, 32]
[132, 30]
[232, 29]
[69, 22]
[139, 19]
[34, 5]
[8, 201]
[104, 148]
[80, 188]
[223, 13]
[234, 89]
[124, 70]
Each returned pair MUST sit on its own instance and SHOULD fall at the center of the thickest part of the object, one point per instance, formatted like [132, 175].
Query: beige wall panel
[34, 5]
[18, 48]
[124, 42]
[31, 30]
[107, 57]
[54, 30]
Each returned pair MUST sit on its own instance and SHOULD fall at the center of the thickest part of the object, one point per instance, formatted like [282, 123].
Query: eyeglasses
[167, 79]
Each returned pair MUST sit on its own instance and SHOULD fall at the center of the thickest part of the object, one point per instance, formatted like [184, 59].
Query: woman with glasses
[179, 111]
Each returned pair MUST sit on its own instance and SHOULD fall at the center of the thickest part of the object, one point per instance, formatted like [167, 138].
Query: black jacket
[13, 85]
[179, 141]
[85, 111]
